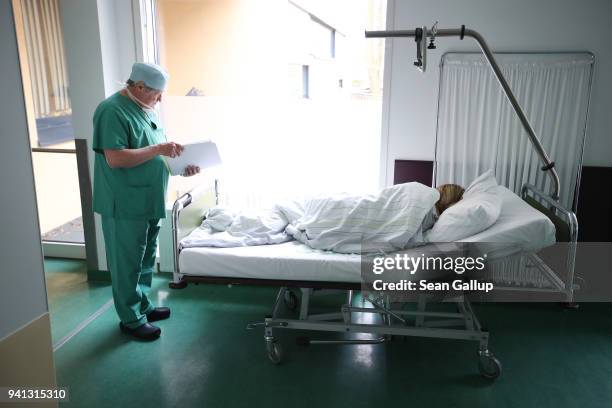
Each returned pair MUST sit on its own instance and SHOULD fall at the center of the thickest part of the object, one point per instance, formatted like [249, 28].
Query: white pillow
[467, 217]
[485, 182]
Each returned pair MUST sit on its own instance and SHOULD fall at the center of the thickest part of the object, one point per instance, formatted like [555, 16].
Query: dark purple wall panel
[413, 170]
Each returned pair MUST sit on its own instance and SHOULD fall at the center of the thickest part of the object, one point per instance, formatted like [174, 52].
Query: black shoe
[144, 332]
[159, 313]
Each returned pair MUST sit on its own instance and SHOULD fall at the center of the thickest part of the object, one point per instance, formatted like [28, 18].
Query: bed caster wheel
[275, 352]
[177, 285]
[291, 300]
[489, 366]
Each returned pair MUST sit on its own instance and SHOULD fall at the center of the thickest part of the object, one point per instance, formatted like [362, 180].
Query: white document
[201, 154]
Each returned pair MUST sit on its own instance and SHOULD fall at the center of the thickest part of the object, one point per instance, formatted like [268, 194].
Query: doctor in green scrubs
[130, 180]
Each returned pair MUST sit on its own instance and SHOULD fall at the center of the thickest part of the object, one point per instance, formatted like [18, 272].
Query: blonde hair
[449, 195]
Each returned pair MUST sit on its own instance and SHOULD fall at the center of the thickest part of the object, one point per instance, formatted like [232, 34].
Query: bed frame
[389, 319]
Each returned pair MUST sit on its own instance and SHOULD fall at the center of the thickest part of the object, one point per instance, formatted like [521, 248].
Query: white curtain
[478, 128]
[46, 59]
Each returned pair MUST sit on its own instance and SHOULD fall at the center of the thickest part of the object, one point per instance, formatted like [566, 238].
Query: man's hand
[191, 171]
[126, 158]
[170, 149]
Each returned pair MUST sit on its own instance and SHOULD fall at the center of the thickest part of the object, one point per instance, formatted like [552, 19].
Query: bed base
[383, 319]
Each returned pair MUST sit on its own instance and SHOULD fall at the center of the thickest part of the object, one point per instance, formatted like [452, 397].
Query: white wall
[117, 42]
[508, 26]
[22, 283]
[100, 50]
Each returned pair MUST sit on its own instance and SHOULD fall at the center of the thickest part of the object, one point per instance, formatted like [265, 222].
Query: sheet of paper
[202, 154]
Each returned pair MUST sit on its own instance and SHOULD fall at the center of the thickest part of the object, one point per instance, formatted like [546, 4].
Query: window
[44, 71]
[46, 92]
[149, 40]
[292, 113]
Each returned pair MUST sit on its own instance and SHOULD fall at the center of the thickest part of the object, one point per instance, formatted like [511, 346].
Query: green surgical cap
[152, 75]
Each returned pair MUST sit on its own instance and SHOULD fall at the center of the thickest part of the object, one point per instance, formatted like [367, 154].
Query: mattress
[519, 228]
[287, 261]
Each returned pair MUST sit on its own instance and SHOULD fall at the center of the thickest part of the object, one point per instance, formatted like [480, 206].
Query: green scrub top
[128, 193]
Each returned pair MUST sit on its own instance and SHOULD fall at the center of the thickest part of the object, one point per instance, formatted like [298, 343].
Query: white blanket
[387, 221]
[224, 229]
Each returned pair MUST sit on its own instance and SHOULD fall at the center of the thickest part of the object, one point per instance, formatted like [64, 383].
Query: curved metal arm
[461, 32]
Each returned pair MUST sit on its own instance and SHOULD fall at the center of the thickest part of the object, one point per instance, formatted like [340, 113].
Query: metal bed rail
[570, 216]
[181, 203]
[572, 225]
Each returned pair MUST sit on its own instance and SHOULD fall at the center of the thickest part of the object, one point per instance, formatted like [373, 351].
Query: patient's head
[449, 195]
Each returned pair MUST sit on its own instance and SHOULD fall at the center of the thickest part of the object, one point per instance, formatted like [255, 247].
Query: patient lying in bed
[395, 218]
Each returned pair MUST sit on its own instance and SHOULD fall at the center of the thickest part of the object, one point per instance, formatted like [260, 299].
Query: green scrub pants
[131, 247]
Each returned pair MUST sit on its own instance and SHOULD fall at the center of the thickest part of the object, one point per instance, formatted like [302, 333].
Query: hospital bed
[527, 225]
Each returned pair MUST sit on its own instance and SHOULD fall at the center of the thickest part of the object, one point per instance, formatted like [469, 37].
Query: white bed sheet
[520, 227]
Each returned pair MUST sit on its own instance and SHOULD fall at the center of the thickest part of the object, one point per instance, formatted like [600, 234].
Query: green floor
[206, 358]
[71, 298]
